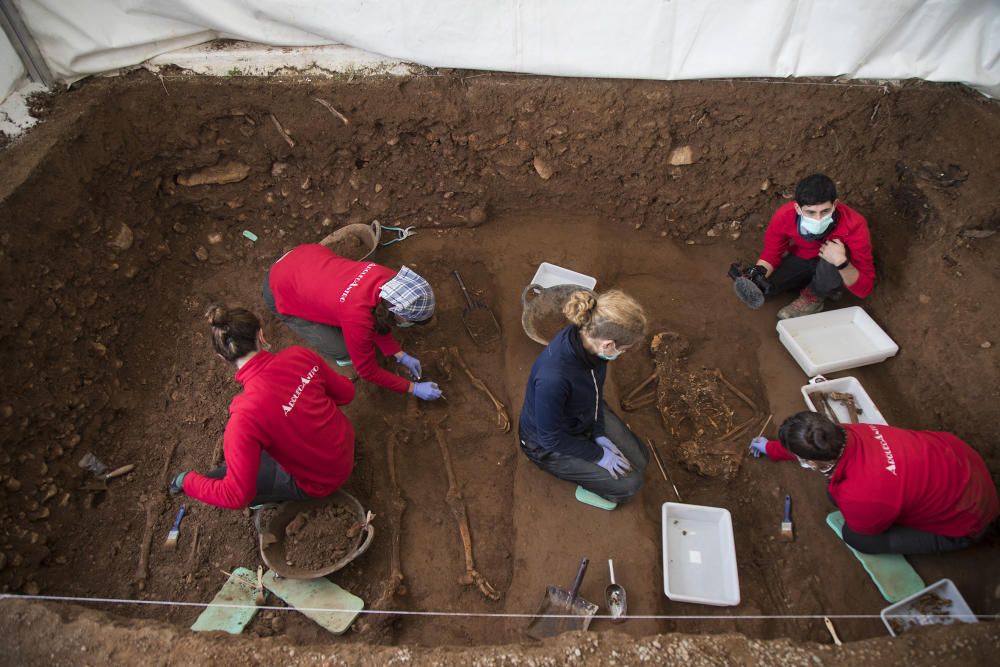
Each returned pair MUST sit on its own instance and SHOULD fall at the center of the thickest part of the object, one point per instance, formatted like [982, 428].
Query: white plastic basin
[835, 340]
[909, 612]
[869, 413]
[550, 275]
[699, 555]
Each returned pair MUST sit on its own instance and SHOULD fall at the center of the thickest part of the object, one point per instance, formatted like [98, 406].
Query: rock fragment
[220, 174]
[682, 155]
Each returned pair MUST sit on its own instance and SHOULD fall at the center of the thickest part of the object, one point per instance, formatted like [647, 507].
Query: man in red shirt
[346, 309]
[286, 438]
[816, 244]
[900, 491]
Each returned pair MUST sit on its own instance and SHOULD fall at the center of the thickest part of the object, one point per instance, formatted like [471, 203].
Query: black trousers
[591, 476]
[794, 273]
[902, 540]
[326, 339]
[274, 484]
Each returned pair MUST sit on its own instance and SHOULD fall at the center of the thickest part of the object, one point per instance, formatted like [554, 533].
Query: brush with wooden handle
[787, 531]
[175, 532]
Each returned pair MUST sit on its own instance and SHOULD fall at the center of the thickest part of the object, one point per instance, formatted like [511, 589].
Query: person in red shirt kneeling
[900, 491]
[346, 310]
[286, 438]
[815, 244]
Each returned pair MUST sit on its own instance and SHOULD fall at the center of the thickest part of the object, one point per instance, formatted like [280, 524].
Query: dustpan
[562, 611]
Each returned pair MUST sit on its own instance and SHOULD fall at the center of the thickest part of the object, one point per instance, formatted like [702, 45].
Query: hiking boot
[807, 304]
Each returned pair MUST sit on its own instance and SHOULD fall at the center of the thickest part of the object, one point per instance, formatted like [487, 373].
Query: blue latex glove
[605, 442]
[616, 464]
[758, 446]
[412, 364]
[176, 487]
[426, 391]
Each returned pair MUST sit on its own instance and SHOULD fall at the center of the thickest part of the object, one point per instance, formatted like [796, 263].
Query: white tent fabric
[11, 69]
[937, 40]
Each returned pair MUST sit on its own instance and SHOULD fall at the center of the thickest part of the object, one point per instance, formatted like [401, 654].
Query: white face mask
[404, 325]
[813, 226]
[610, 357]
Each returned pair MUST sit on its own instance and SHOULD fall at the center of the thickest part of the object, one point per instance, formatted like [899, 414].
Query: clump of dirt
[694, 406]
[320, 536]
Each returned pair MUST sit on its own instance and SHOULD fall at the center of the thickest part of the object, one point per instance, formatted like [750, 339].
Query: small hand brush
[175, 532]
[787, 533]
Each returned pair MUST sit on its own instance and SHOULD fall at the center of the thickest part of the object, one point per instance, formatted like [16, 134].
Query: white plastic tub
[699, 555]
[869, 413]
[835, 340]
[912, 613]
[550, 275]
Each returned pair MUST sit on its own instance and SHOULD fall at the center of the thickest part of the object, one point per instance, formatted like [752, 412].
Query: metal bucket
[542, 310]
[356, 241]
[272, 536]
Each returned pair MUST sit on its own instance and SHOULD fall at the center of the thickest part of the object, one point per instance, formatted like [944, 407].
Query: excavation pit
[111, 255]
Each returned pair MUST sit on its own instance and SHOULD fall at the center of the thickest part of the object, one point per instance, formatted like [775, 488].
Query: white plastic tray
[958, 611]
[869, 413]
[699, 555]
[550, 275]
[835, 340]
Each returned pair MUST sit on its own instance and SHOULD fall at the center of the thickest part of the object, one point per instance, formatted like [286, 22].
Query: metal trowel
[617, 603]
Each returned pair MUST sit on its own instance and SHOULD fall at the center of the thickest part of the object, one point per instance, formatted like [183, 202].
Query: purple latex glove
[616, 464]
[758, 446]
[412, 364]
[426, 391]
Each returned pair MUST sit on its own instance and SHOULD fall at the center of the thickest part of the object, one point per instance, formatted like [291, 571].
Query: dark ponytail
[234, 331]
[384, 319]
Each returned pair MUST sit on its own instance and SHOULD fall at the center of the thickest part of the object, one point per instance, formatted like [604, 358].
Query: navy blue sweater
[563, 404]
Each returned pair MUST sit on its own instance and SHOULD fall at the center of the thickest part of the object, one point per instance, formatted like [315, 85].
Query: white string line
[475, 614]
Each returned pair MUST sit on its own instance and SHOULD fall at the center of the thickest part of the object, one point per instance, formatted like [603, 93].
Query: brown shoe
[807, 304]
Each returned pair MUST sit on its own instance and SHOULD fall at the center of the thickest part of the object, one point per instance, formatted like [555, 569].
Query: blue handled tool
[175, 532]
[787, 532]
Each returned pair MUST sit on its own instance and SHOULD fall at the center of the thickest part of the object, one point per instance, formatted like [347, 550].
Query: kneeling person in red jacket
[286, 438]
[900, 491]
[816, 244]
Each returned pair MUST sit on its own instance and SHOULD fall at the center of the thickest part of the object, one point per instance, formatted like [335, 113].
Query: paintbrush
[175, 532]
[787, 532]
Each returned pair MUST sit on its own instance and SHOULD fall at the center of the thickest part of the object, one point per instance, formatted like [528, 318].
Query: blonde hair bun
[579, 309]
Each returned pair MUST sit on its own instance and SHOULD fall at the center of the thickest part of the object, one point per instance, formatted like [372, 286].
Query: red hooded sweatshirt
[849, 226]
[919, 479]
[315, 284]
[288, 408]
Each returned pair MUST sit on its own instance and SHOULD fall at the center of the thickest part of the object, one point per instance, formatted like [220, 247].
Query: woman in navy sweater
[565, 428]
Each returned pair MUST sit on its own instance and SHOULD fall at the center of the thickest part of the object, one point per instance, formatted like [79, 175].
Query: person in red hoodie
[346, 309]
[900, 491]
[286, 438]
[816, 244]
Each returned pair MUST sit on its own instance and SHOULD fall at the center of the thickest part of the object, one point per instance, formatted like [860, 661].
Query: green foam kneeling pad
[590, 498]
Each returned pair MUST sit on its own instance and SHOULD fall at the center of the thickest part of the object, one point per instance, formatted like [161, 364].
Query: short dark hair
[815, 189]
[812, 436]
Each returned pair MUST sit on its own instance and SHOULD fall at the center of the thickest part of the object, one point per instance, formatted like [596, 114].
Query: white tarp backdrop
[11, 70]
[937, 40]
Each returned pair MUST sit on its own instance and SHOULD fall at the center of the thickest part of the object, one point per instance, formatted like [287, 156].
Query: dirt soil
[108, 264]
[321, 536]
